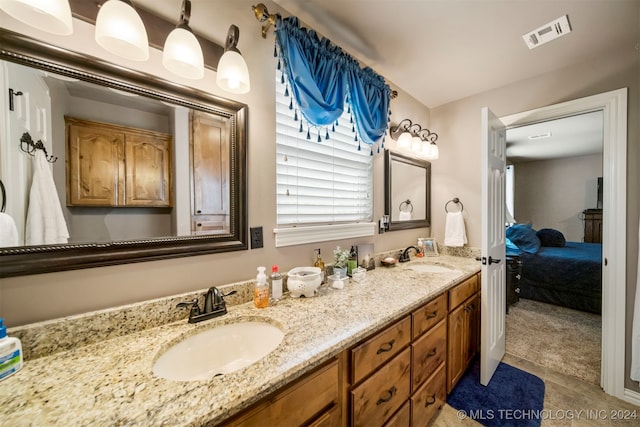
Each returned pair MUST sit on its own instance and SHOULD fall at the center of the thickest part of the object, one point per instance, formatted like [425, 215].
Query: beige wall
[458, 124]
[28, 299]
[553, 193]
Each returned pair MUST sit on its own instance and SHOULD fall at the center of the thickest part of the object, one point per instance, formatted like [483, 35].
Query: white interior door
[493, 291]
[31, 113]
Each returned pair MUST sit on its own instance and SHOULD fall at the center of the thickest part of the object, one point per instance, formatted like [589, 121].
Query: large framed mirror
[203, 188]
[407, 191]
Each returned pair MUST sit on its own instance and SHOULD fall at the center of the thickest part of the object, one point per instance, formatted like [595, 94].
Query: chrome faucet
[214, 305]
[405, 254]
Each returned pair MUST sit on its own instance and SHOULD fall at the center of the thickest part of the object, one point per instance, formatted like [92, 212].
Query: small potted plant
[340, 259]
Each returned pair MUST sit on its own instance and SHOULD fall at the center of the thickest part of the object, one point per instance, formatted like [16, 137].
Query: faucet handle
[195, 308]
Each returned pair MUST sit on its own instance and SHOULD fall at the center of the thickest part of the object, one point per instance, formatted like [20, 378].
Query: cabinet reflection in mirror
[407, 190]
[141, 172]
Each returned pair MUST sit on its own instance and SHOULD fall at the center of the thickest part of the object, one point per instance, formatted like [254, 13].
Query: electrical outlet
[256, 237]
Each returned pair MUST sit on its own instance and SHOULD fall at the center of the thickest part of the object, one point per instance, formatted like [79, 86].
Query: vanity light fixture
[233, 73]
[52, 16]
[120, 30]
[416, 138]
[182, 54]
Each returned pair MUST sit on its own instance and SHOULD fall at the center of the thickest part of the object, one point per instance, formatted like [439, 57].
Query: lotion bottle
[261, 290]
[276, 284]
[11, 359]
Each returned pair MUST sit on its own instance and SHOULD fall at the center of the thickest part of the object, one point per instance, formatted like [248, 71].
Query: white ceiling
[578, 135]
[443, 50]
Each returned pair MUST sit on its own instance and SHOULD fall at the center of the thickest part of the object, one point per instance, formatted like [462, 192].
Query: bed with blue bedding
[562, 273]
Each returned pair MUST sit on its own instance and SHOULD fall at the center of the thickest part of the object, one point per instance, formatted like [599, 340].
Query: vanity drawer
[431, 397]
[463, 291]
[429, 315]
[402, 418]
[383, 393]
[369, 355]
[316, 393]
[427, 353]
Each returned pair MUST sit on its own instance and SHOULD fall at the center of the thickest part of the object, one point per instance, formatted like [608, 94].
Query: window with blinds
[320, 183]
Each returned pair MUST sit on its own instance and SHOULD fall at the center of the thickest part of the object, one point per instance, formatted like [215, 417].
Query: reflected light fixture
[412, 136]
[120, 30]
[182, 54]
[233, 73]
[52, 16]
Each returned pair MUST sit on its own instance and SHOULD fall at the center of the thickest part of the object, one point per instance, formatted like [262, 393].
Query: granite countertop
[110, 382]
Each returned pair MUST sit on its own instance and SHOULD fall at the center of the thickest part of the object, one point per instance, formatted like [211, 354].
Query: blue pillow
[551, 238]
[524, 237]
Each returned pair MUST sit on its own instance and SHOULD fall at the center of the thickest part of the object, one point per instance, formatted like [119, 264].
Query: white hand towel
[404, 216]
[8, 231]
[45, 221]
[635, 331]
[454, 232]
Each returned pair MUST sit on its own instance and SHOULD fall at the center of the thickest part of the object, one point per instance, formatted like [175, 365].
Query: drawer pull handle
[431, 400]
[433, 353]
[387, 347]
[432, 315]
[390, 393]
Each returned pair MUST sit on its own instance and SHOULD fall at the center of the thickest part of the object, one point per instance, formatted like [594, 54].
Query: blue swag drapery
[322, 79]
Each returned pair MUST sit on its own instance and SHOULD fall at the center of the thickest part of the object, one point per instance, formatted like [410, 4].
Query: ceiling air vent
[548, 32]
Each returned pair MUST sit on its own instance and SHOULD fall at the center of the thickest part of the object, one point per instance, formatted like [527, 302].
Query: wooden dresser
[592, 225]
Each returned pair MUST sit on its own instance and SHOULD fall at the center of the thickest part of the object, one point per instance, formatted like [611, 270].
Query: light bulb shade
[233, 73]
[430, 151]
[435, 152]
[404, 140]
[416, 144]
[52, 16]
[182, 54]
[119, 30]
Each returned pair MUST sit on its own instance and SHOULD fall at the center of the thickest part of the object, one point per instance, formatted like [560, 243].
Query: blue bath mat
[513, 398]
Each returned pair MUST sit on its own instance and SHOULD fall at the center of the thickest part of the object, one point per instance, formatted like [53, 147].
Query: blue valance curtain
[323, 79]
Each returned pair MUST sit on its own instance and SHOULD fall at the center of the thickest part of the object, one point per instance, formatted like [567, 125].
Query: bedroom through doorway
[553, 193]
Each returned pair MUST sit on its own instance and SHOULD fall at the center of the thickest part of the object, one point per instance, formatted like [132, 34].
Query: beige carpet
[559, 338]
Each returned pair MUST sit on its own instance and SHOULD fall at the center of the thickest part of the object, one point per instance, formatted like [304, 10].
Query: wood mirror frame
[27, 260]
[392, 201]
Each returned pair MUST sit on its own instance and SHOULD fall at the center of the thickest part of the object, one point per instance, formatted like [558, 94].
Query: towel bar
[456, 201]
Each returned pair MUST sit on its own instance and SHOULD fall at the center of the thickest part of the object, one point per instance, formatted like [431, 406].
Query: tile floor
[564, 398]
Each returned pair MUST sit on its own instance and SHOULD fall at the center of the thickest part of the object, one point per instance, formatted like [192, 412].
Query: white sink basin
[219, 350]
[432, 268]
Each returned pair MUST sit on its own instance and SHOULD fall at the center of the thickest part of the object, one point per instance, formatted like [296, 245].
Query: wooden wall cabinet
[463, 328]
[117, 166]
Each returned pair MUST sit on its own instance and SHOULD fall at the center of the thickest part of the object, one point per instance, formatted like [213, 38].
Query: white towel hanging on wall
[454, 230]
[8, 231]
[45, 221]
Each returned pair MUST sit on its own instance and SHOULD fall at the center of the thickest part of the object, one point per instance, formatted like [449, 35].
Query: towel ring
[408, 203]
[4, 197]
[456, 201]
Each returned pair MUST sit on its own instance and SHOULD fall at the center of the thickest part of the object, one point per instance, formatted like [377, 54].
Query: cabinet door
[472, 310]
[148, 163]
[95, 166]
[210, 168]
[456, 346]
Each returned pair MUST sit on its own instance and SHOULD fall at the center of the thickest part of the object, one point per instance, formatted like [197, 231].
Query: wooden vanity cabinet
[117, 166]
[463, 328]
[313, 400]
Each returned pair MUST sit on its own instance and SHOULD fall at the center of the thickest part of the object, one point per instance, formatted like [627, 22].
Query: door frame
[614, 106]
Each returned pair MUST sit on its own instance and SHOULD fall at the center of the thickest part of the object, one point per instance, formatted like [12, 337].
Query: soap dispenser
[261, 290]
[11, 359]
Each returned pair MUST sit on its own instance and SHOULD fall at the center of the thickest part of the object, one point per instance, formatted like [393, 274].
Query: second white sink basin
[432, 268]
[219, 350]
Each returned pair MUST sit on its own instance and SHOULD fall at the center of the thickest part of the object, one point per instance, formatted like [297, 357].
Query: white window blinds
[319, 183]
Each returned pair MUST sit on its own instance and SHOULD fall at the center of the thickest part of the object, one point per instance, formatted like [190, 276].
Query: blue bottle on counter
[10, 353]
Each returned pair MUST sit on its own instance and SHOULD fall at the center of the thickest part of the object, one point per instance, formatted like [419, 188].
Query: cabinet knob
[430, 400]
[386, 347]
[388, 397]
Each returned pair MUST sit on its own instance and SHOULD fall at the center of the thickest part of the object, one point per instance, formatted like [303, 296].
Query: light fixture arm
[428, 136]
[399, 129]
[185, 15]
[232, 39]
